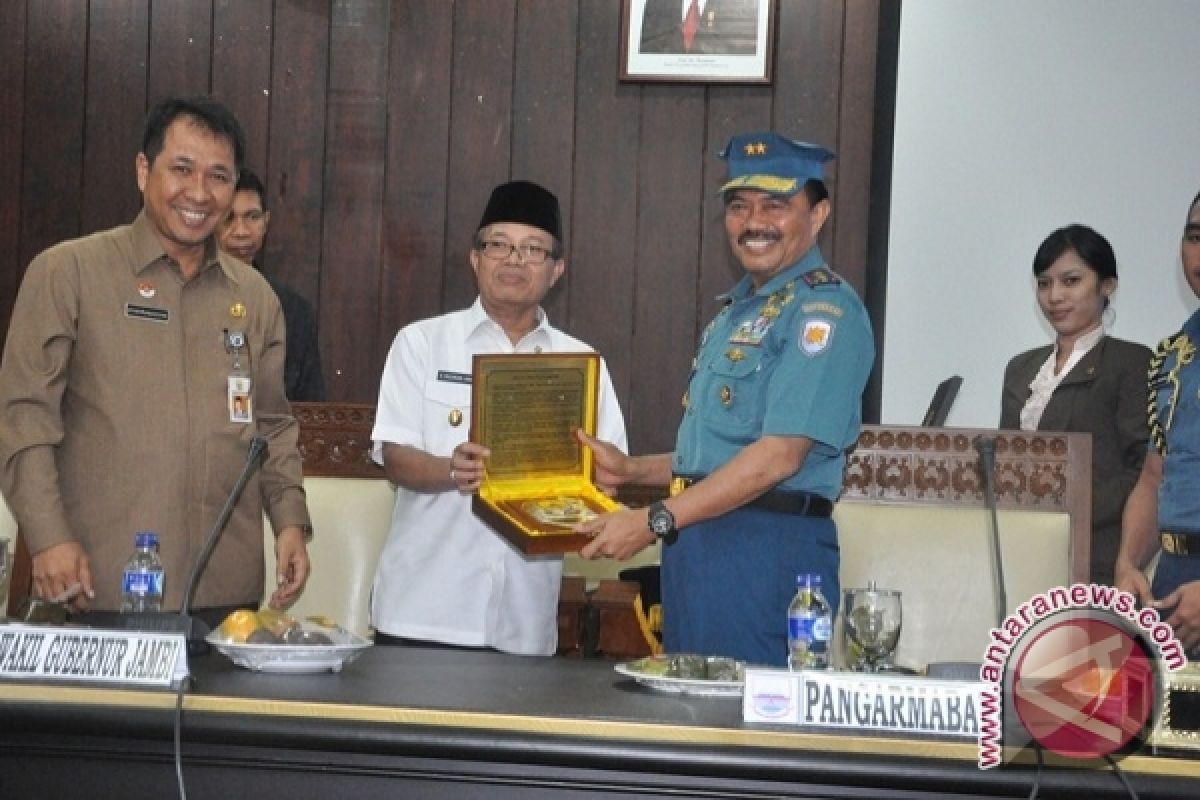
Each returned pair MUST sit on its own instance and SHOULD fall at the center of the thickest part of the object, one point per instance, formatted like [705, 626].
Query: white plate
[699, 687]
[294, 659]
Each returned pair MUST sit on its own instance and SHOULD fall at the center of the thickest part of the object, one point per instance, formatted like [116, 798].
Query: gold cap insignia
[237, 310]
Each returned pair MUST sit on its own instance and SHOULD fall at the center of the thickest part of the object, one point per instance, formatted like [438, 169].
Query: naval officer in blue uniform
[773, 403]
[1163, 510]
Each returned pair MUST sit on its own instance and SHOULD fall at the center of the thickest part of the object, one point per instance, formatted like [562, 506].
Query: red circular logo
[1084, 687]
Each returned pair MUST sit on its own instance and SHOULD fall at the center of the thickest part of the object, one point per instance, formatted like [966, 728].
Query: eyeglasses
[530, 253]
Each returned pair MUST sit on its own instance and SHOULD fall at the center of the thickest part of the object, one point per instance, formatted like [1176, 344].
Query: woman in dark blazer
[1086, 381]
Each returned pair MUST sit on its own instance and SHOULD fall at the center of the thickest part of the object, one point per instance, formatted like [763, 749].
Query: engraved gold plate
[537, 484]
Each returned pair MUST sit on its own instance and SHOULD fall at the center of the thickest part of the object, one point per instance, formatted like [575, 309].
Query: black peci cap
[526, 203]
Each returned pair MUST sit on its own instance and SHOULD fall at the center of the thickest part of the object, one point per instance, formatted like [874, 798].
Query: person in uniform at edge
[242, 234]
[1163, 511]
[125, 352]
[1085, 381]
[444, 576]
[772, 405]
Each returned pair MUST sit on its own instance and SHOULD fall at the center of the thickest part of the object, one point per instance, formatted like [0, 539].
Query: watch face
[661, 522]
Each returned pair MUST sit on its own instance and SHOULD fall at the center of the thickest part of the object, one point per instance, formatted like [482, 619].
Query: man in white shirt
[445, 577]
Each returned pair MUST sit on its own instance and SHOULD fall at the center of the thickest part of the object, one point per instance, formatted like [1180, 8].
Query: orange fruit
[238, 626]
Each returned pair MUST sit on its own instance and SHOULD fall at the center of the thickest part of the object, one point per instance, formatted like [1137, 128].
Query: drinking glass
[872, 623]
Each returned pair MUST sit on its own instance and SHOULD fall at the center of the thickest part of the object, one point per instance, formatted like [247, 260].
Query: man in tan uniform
[126, 351]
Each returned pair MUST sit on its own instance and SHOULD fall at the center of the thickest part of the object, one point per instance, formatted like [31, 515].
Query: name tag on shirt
[454, 377]
[146, 313]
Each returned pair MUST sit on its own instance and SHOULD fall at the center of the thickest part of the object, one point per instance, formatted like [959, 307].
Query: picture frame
[728, 41]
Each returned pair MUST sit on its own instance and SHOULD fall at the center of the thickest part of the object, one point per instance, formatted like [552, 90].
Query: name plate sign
[136, 658]
[854, 700]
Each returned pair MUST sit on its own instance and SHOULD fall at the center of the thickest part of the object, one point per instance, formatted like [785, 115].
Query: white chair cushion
[939, 558]
[351, 518]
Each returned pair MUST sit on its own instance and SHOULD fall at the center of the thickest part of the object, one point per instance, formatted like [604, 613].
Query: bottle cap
[808, 579]
[145, 539]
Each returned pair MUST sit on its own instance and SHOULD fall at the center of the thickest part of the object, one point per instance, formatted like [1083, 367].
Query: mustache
[758, 234]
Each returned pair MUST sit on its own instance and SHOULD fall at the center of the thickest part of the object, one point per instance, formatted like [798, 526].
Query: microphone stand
[196, 628]
[986, 447]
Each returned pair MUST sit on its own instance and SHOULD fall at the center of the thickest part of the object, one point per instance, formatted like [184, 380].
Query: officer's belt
[803, 504]
[1180, 544]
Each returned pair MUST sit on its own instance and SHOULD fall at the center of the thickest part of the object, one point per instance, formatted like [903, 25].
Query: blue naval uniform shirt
[789, 359]
[1176, 396]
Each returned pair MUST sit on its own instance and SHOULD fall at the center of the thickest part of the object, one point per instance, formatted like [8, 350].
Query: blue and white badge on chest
[752, 331]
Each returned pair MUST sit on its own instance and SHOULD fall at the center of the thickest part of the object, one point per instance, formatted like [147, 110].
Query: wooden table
[442, 723]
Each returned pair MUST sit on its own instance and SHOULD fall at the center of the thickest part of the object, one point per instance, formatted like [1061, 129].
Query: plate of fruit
[686, 673]
[273, 641]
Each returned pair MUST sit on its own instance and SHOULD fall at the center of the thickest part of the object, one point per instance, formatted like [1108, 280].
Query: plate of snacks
[685, 673]
[272, 641]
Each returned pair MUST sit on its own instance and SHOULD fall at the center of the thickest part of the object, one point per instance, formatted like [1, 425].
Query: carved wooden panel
[335, 439]
[1035, 471]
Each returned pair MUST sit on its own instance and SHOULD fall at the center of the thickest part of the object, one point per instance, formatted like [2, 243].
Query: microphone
[193, 628]
[986, 447]
[258, 446]
[196, 628]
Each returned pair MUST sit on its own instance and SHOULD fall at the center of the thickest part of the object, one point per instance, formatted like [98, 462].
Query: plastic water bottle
[143, 579]
[810, 625]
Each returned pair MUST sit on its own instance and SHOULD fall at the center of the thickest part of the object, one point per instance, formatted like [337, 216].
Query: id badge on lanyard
[239, 385]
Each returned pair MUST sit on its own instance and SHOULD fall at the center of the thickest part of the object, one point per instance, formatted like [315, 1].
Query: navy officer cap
[773, 163]
[524, 202]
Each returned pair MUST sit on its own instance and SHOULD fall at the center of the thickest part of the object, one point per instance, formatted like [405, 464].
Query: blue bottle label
[801, 628]
[142, 582]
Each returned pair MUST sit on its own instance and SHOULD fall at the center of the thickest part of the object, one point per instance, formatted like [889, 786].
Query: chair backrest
[351, 518]
[939, 559]
[350, 501]
[8, 540]
[912, 517]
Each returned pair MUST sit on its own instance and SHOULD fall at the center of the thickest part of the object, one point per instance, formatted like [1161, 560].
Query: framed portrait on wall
[704, 41]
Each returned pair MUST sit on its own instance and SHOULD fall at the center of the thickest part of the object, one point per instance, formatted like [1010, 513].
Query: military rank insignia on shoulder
[820, 276]
[816, 336]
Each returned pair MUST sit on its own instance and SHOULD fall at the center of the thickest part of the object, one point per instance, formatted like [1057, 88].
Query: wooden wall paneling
[295, 168]
[669, 201]
[241, 70]
[808, 64]
[731, 110]
[414, 224]
[53, 119]
[374, 198]
[543, 133]
[480, 131]
[12, 104]
[355, 152]
[117, 49]
[855, 139]
[604, 201]
[180, 49]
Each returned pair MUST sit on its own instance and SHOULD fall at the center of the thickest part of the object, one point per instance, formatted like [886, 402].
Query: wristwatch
[308, 532]
[662, 522]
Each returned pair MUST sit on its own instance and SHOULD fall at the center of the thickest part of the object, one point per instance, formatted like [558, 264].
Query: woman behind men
[1086, 381]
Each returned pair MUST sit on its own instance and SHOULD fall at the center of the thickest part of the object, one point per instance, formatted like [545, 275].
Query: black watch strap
[662, 522]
